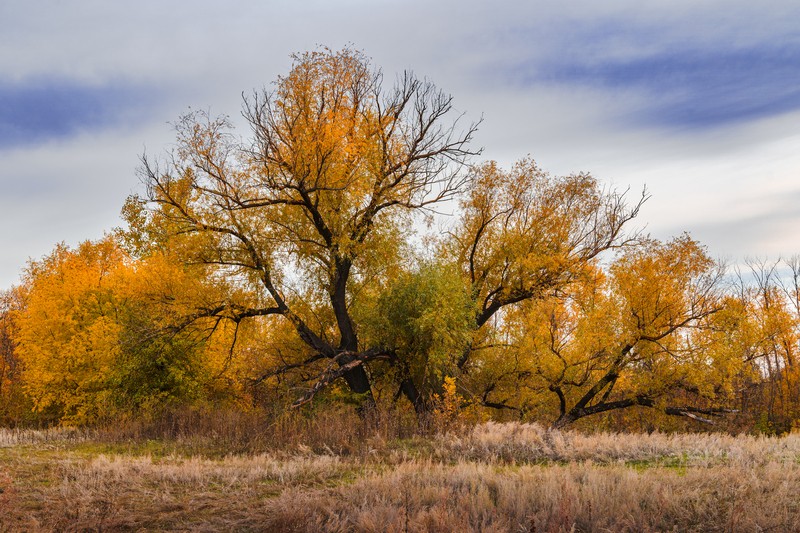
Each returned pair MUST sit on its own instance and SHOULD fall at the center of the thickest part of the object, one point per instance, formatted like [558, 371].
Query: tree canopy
[301, 261]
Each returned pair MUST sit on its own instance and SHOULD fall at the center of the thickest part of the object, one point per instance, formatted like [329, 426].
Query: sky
[698, 101]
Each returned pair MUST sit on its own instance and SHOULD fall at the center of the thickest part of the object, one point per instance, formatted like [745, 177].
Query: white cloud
[66, 191]
[731, 185]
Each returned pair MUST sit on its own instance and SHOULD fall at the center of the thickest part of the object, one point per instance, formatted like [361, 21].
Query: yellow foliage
[67, 331]
[99, 333]
[447, 405]
[637, 334]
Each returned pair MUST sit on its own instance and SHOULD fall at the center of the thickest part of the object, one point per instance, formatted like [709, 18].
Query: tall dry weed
[18, 436]
[197, 494]
[221, 432]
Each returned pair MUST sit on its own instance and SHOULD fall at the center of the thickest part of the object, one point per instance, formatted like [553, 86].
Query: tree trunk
[357, 378]
[579, 411]
[410, 391]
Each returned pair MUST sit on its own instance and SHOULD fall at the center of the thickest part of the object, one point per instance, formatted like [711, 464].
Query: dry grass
[17, 437]
[578, 497]
[173, 493]
[493, 477]
[222, 433]
[531, 443]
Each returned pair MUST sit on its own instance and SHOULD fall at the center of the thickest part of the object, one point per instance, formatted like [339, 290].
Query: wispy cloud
[698, 66]
[760, 234]
[33, 112]
[697, 88]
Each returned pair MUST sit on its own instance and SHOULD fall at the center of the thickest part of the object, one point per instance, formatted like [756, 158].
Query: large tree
[525, 234]
[635, 334]
[312, 218]
[319, 202]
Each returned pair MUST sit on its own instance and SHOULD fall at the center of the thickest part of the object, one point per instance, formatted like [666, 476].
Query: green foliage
[427, 316]
[155, 368]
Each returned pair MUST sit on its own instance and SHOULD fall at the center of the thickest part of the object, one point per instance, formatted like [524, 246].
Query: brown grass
[220, 433]
[493, 477]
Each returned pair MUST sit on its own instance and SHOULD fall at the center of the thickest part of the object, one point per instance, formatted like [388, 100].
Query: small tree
[99, 335]
[13, 405]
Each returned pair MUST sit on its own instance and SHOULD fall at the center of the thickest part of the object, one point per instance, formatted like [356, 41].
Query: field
[491, 477]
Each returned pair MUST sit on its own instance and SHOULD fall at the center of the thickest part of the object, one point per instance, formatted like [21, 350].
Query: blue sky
[697, 101]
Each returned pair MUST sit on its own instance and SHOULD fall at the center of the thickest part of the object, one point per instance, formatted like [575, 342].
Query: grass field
[492, 477]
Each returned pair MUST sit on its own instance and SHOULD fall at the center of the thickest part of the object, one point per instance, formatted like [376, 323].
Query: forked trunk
[563, 421]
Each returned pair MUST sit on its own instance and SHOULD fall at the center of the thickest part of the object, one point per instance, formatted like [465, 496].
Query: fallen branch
[695, 412]
[331, 374]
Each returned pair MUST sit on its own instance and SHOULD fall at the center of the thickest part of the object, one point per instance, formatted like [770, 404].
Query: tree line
[292, 268]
